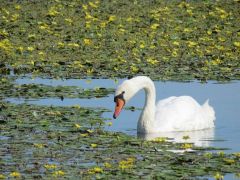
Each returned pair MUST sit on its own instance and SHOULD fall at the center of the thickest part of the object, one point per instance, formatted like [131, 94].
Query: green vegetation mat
[67, 142]
[174, 40]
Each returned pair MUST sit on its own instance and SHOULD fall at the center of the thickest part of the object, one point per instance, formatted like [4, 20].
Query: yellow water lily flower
[115, 69]
[152, 61]
[152, 46]
[209, 32]
[215, 62]
[53, 113]
[142, 45]
[90, 131]
[176, 43]
[17, 7]
[186, 146]
[208, 155]
[103, 24]
[50, 166]
[3, 80]
[58, 173]
[77, 106]
[221, 153]
[192, 43]
[160, 139]
[93, 5]
[60, 44]
[221, 48]
[121, 30]
[6, 45]
[112, 18]
[69, 20]
[229, 161]
[38, 145]
[109, 123]
[218, 176]
[87, 41]
[126, 164]
[15, 174]
[84, 134]
[4, 33]
[237, 175]
[175, 53]
[134, 69]
[14, 17]
[90, 71]
[129, 19]
[237, 44]
[52, 11]
[95, 170]
[73, 44]
[77, 126]
[187, 30]
[222, 39]
[44, 26]
[189, 11]
[88, 16]
[223, 16]
[2, 176]
[154, 26]
[20, 49]
[30, 48]
[85, 6]
[31, 36]
[107, 165]
[237, 154]
[94, 145]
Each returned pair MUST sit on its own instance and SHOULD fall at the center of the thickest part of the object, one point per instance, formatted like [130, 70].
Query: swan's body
[171, 114]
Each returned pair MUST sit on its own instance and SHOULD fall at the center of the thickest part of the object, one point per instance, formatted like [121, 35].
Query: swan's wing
[166, 101]
[177, 114]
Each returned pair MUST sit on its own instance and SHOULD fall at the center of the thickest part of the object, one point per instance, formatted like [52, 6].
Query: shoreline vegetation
[166, 40]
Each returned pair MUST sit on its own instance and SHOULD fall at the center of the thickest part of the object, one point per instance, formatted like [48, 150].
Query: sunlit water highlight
[225, 98]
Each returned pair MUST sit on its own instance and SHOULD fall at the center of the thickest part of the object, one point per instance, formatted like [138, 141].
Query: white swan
[171, 114]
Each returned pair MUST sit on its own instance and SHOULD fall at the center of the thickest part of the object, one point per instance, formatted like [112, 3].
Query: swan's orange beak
[119, 105]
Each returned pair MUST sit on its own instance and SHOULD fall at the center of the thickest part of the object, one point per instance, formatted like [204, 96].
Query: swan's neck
[146, 120]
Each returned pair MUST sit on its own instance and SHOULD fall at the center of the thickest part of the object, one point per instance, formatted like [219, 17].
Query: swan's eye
[120, 96]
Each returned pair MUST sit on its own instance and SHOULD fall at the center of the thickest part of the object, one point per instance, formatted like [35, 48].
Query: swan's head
[123, 94]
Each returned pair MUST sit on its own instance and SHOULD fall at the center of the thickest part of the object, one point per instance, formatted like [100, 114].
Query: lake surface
[225, 99]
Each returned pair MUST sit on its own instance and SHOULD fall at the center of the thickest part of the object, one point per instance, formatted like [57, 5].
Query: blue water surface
[225, 99]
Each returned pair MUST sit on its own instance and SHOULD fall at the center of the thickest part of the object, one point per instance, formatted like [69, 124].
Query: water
[225, 98]
[226, 176]
[84, 83]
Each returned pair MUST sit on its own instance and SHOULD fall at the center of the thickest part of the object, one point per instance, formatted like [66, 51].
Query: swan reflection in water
[200, 138]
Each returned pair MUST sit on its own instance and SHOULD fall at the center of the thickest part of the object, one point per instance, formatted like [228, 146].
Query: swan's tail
[209, 113]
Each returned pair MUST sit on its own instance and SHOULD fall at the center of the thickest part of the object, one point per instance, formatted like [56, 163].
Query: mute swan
[181, 113]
